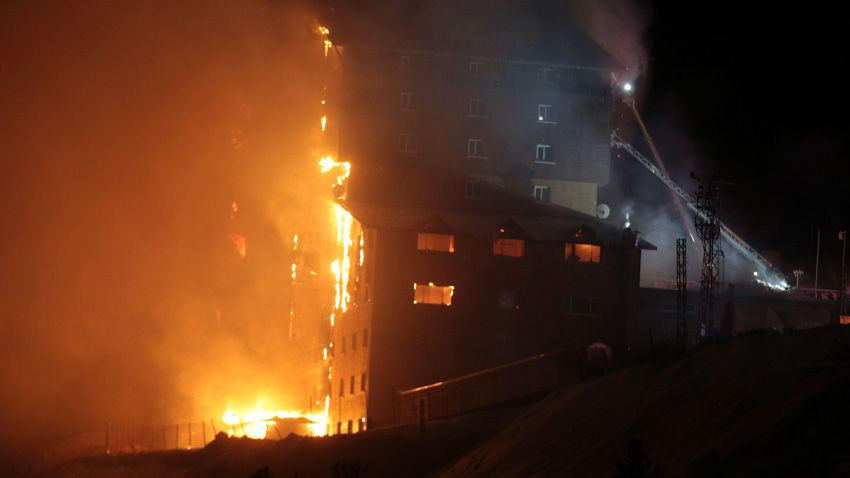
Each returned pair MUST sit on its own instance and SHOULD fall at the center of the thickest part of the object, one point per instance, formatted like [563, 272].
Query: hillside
[759, 405]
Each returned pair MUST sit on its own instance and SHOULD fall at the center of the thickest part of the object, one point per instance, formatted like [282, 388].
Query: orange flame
[255, 423]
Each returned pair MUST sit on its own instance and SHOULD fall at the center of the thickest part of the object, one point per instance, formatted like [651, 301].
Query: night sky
[758, 98]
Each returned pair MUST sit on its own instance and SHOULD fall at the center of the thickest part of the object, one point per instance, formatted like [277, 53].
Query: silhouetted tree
[263, 472]
[636, 463]
[349, 469]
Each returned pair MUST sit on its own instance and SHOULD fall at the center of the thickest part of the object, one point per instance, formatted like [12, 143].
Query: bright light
[755, 273]
[627, 87]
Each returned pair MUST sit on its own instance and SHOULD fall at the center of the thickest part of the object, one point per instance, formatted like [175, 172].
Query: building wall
[416, 344]
[439, 121]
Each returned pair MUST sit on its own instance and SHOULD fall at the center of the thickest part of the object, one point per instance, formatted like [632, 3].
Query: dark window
[474, 148]
[472, 189]
[354, 341]
[349, 427]
[365, 338]
[546, 75]
[405, 143]
[405, 63]
[351, 386]
[343, 345]
[507, 300]
[363, 382]
[476, 108]
[408, 101]
[341, 387]
[581, 305]
[574, 305]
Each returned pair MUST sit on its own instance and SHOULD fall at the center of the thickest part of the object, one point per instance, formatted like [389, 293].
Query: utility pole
[843, 236]
[708, 229]
[817, 263]
[681, 293]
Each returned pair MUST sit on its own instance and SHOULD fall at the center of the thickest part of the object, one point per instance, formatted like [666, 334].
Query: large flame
[255, 423]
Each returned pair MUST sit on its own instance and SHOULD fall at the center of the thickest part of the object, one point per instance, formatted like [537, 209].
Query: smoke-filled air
[156, 160]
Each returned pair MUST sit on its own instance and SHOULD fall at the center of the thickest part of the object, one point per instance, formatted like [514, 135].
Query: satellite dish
[603, 211]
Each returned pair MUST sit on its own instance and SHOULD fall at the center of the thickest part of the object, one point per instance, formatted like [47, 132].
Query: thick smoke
[129, 130]
[620, 27]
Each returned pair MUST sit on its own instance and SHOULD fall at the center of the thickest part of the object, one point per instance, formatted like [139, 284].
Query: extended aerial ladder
[771, 277]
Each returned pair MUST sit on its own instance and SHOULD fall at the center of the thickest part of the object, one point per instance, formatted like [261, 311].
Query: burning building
[450, 283]
[471, 237]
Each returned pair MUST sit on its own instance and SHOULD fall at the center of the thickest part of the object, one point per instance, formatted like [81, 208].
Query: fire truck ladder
[773, 279]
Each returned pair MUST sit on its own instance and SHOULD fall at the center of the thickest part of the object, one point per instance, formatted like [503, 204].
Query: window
[351, 385]
[541, 193]
[405, 63]
[575, 305]
[545, 75]
[435, 242]
[354, 342]
[544, 154]
[349, 427]
[509, 247]
[362, 382]
[582, 252]
[507, 300]
[407, 101]
[476, 108]
[341, 387]
[474, 148]
[544, 114]
[343, 345]
[433, 294]
[365, 338]
[472, 189]
[476, 69]
[405, 143]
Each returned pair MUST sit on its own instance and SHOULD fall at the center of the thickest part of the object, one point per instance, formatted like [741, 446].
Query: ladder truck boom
[772, 277]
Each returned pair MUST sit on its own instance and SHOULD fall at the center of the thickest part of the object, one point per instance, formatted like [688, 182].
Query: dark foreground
[762, 405]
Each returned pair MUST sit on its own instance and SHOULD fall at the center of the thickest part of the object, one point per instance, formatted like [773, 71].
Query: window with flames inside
[508, 247]
[582, 252]
[426, 241]
[433, 294]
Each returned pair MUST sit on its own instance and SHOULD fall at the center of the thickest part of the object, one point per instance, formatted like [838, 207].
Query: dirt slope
[769, 405]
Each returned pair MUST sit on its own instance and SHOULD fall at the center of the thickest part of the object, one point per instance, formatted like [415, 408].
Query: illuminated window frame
[543, 154]
[433, 294]
[542, 193]
[544, 114]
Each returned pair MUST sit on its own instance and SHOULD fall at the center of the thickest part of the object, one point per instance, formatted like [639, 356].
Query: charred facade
[452, 282]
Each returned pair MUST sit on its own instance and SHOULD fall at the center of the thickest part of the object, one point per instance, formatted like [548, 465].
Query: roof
[532, 30]
[550, 227]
